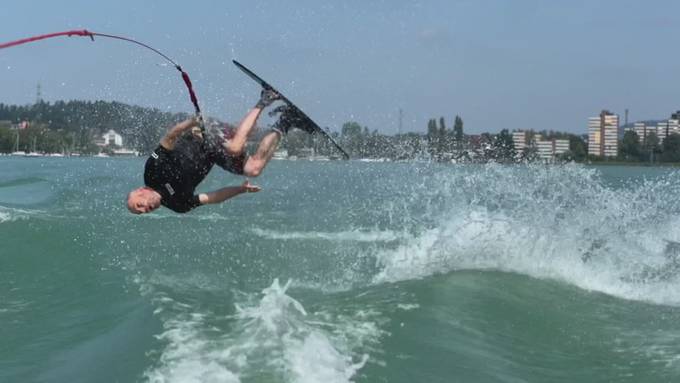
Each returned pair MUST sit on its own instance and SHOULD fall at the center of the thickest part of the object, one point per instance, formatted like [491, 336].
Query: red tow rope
[91, 35]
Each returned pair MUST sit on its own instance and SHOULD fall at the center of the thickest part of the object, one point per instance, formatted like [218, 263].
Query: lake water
[342, 271]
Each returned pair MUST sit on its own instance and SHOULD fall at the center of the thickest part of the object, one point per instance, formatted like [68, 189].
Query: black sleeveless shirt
[174, 174]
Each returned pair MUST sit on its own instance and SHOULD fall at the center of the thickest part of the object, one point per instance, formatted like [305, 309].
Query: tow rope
[91, 35]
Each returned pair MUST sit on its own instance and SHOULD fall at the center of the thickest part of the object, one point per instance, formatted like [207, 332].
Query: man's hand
[190, 122]
[250, 188]
[196, 131]
[168, 141]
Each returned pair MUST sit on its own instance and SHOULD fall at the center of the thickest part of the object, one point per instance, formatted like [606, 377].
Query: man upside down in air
[184, 158]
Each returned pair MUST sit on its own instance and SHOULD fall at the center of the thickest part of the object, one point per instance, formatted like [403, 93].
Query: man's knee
[232, 149]
[252, 169]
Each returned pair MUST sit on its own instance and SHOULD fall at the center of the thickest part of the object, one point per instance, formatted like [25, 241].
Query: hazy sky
[497, 63]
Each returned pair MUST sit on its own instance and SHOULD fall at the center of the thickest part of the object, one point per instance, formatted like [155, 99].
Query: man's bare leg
[237, 144]
[265, 150]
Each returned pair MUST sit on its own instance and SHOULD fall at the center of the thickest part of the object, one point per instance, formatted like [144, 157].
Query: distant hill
[83, 120]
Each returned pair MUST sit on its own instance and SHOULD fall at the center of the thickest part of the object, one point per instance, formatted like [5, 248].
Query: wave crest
[562, 222]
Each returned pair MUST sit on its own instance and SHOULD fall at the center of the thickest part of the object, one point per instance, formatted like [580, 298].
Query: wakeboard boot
[289, 118]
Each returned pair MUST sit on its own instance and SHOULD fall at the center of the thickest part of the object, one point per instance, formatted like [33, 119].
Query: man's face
[143, 200]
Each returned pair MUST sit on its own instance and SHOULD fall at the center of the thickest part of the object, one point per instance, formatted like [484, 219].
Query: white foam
[549, 222]
[210, 217]
[271, 334]
[5, 217]
[310, 354]
[187, 357]
[408, 306]
[11, 214]
[314, 359]
[352, 235]
[14, 306]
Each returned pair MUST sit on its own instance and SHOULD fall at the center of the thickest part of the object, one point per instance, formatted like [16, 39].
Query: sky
[498, 64]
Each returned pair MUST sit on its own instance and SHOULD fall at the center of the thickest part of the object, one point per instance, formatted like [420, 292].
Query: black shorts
[232, 164]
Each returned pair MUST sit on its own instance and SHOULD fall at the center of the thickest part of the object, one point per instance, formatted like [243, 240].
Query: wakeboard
[308, 121]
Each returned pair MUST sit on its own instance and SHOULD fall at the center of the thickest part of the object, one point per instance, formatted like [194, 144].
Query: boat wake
[270, 336]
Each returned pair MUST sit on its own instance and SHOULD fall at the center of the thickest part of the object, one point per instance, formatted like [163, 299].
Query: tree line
[443, 144]
[439, 143]
[359, 142]
[72, 126]
[649, 148]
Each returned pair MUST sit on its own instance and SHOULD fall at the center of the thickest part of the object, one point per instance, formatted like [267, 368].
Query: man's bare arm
[168, 141]
[225, 193]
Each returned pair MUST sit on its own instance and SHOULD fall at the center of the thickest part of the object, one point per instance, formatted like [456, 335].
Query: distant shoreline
[603, 163]
[636, 164]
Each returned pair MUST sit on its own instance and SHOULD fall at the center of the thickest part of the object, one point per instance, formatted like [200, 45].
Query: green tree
[671, 148]
[651, 147]
[351, 136]
[7, 137]
[442, 140]
[504, 147]
[366, 144]
[81, 121]
[294, 142]
[630, 146]
[432, 137]
[578, 148]
[458, 132]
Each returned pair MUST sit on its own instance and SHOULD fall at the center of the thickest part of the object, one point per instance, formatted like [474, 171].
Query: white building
[603, 135]
[662, 130]
[666, 128]
[111, 138]
[549, 149]
[545, 149]
[643, 130]
[519, 139]
[560, 147]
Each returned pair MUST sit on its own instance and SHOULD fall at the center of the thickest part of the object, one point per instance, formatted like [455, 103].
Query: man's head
[143, 200]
